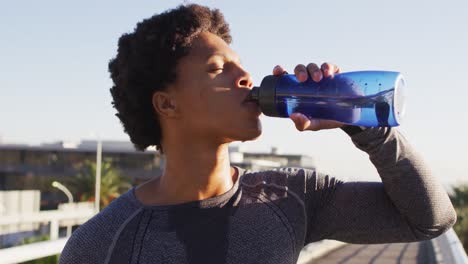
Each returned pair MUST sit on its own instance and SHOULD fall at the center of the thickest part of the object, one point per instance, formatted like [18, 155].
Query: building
[268, 160]
[32, 167]
[24, 167]
[59, 159]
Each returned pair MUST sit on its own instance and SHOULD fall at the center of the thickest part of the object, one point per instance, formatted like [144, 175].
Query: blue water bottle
[362, 98]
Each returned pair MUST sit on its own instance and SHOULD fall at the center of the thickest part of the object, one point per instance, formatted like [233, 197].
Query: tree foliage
[459, 198]
[46, 260]
[113, 183]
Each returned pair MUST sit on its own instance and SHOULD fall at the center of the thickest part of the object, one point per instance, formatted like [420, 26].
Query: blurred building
[14, 203]
[268, 160]
[32, 167]
[62, 158]
[24, 167]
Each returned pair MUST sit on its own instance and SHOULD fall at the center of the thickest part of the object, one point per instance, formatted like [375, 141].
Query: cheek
[203, 110]
[208, 102]
[189, 101]
[217, 102]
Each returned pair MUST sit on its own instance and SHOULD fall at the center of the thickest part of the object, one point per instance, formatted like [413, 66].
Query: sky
[54, 83]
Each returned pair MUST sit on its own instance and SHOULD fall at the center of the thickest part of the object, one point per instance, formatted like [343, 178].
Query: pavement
[407, 253]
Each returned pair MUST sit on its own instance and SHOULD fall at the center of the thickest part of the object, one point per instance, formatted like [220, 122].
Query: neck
[193, 171]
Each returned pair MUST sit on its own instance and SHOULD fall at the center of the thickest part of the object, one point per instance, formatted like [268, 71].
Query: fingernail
[302, 76]
[317, 76]
[277, 70]
[297, 116]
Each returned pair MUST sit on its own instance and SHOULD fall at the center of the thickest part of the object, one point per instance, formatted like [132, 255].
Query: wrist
[352, 130]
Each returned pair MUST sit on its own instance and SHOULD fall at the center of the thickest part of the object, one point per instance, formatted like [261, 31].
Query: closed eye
[217, 70]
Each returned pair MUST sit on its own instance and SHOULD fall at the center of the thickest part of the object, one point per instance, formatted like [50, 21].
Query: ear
[164, 104]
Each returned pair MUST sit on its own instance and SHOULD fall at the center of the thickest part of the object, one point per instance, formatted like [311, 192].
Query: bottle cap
[267, 95]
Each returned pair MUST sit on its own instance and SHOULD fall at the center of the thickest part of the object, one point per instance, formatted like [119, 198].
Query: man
[179, 86]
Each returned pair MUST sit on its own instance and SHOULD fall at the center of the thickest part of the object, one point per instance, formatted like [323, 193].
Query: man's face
[210, 90]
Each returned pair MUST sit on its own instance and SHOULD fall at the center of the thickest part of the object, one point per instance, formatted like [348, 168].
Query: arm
[408, 205]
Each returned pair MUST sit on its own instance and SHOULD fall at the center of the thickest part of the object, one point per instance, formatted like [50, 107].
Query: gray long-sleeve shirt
[267, 217]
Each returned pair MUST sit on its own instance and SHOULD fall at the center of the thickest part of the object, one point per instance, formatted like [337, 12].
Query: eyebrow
[225, 57]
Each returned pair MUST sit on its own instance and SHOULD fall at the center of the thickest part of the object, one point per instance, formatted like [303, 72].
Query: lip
[249, 100]
[252, 106]
[252, 95]
[250, 103]
[246, 99]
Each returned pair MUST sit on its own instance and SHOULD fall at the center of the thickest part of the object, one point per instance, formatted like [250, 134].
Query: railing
[68, 216]
[449, 249]
[318, 249]
[32, 251]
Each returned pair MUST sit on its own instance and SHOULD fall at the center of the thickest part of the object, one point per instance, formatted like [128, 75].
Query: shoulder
[298, 180]
[288, 179]
[282, 176]
[91, 241]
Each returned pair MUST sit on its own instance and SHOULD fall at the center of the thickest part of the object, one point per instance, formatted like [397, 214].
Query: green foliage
[34, 239]
[82, 186]
[113, 183]
[47, 260]
[459, 198]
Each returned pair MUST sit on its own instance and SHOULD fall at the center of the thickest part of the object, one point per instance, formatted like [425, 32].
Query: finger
[303, 123]
[337, 69]
[314, 72]
[278, 70]
[319, 124]
[300, 121]
[329, 69]
[301, 72]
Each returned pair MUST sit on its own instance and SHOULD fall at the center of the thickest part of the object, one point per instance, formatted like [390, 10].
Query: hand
[302, 73]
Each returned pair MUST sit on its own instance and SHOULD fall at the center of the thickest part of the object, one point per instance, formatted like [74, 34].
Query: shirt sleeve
[408, 205]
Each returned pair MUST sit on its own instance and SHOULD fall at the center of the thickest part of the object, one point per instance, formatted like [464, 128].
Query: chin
[244, 132]
[250, 134]
[249, 138]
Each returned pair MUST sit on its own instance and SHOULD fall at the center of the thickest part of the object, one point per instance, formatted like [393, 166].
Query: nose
[244, 79]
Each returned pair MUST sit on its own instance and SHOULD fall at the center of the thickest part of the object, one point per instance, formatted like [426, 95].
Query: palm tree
[113, 183]
[459, 198]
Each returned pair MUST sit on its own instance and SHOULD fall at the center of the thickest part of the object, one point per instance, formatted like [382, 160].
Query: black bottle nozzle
[254, 94]
[265, 95]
